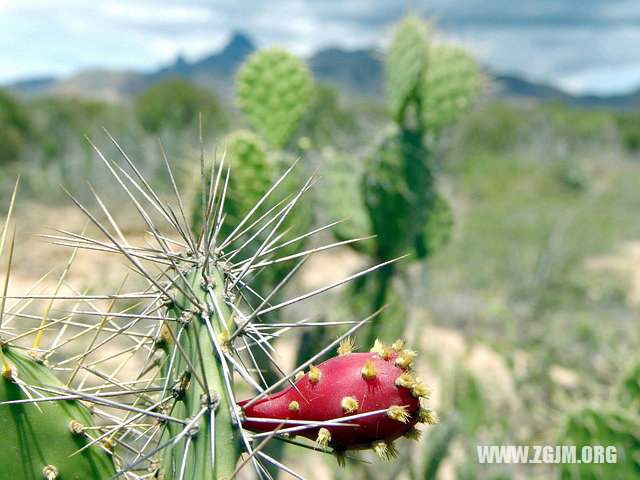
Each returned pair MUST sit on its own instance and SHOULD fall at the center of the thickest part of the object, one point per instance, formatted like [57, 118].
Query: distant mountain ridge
[358, 72]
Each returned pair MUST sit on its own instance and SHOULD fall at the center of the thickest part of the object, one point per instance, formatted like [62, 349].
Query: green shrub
[15, 127]
[176, 103]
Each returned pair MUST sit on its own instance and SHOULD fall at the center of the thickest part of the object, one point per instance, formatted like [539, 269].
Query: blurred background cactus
[428, 88]
[273, 90]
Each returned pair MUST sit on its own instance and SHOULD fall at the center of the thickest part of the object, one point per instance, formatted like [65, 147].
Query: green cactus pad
[253, 172]
[34, 437]
[449, 87]
[273, 90]
[398, 192]
[406, 63]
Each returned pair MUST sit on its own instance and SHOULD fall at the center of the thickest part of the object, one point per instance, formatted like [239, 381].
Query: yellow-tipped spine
[349, 404]
[314, 374]
[324, 437]
[398, 413]
[369, 370]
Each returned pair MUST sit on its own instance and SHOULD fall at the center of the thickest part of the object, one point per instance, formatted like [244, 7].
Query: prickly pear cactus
[450, 86]
[405, 64]
[375, 393]
[178, 348]
[43, 439]
[274, 90]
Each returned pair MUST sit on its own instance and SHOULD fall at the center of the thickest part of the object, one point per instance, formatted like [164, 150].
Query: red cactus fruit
[351, 384]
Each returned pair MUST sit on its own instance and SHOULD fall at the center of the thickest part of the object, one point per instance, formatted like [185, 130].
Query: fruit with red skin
[351, 384]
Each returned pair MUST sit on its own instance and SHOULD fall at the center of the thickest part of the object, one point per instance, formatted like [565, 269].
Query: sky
[582, 46]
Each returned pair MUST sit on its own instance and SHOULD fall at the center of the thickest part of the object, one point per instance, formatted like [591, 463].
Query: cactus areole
[377, 383]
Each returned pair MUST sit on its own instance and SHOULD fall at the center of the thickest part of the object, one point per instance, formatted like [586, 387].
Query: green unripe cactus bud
[398, 192]
[406, 63]
[449, 87]
[40, 440]
[273, 90]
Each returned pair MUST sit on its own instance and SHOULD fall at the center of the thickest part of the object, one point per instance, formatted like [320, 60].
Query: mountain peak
[230, 57]
[238, 42]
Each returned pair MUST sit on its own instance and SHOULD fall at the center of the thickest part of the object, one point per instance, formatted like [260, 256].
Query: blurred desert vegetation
[529, 310]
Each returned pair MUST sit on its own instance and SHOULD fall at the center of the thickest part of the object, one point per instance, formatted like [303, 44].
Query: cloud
[579, 44]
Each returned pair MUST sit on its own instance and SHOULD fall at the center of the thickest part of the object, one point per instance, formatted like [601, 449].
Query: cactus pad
[39, 440]
[340, 199]
[449, 87]
[274, 90]
[405, 65]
